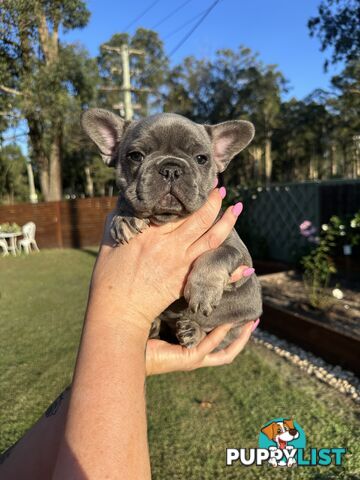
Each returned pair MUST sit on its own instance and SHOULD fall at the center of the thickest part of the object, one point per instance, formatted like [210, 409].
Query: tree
[337, 27]
[302, 140]
[234, 85]
[345, 106]
[261, 94]
[13, 179]
[38, 74]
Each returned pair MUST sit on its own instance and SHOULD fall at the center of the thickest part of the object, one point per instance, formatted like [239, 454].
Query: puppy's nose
[293, 431]
[171, 171]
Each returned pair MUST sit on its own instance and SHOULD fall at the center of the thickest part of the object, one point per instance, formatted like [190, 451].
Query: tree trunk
[44, 182]
[334, 165]
[55, 186]
[268, 160]
[313, 172]
[89, 187]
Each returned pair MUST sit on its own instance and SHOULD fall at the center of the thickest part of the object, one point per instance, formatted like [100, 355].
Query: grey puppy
[165, 169]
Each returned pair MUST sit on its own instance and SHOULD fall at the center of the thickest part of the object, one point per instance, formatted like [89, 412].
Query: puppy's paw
[123, 229]
[155, 329]
[203, 296]
[189, 333]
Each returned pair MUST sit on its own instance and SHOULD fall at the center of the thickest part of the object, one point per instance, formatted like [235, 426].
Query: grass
[42, 303]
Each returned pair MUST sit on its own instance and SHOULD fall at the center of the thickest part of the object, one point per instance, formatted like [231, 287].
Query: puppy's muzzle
[293, 432]
[171, 170]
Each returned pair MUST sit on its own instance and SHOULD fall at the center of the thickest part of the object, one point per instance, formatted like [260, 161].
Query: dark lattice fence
[272, 215]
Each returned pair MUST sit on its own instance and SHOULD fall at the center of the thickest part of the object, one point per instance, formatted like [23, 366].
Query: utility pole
[126, 88]
[124, 51]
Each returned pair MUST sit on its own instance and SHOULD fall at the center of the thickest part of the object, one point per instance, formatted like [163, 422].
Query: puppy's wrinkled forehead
[168, 134]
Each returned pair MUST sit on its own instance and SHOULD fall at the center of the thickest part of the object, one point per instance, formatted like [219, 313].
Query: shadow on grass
[89, 251]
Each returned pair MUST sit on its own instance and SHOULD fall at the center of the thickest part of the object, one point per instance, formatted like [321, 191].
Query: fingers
[200, 221]
[218, 233]
[242, 271]
[226, 356]
[213, 340]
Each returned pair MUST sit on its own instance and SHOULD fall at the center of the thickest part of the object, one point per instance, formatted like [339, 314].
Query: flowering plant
[9, 228]
[318, 264]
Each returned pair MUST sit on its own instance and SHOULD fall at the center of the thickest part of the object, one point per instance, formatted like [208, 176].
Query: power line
[171, 14]
[144, 12]
[192, 30]
[191, 20]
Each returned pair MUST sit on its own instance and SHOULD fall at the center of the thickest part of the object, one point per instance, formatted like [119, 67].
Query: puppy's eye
[136, 156]
[201, 159]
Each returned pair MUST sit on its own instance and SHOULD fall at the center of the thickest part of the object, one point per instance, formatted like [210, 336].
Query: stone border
[333, 375]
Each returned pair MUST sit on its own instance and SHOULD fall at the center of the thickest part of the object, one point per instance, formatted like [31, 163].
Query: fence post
[59, 225]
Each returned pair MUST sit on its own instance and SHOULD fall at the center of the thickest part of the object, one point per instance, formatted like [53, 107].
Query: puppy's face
[165, 164]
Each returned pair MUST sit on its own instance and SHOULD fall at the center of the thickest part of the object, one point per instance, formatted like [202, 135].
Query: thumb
[240, 272]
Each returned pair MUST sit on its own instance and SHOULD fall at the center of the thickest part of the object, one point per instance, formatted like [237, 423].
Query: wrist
[117, 314]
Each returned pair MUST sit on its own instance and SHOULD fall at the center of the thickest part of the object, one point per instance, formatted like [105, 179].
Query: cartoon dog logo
[281, 433]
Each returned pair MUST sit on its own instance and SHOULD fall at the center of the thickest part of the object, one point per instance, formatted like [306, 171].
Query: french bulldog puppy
[165, 169]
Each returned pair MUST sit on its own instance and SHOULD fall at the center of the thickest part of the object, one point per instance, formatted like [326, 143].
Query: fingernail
[222, 192]
[216, 181]
[237, 209]
[248, 272]
[256, 323]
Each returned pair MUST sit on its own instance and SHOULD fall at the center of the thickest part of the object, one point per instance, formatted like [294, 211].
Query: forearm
[34, 455]
[105, 434]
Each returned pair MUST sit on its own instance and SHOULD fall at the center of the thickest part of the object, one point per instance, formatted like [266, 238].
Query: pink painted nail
[216, 181]
[237, 209]
[256, 323]
[222, 192]
[248, 272]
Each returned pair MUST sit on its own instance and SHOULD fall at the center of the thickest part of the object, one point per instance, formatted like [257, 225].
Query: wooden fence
[69, 223]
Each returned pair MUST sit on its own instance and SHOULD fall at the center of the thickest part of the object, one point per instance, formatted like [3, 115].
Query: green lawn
[42, 302]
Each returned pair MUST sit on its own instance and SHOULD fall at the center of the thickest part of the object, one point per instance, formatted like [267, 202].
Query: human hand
[146, 275]
[164, 357]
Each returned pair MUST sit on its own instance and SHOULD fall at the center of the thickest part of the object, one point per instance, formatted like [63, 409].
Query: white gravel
[342, 380]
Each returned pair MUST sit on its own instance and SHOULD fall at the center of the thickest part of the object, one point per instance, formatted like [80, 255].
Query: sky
[276, 29]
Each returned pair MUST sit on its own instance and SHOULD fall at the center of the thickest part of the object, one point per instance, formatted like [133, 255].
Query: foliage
[337, 27]
[9, 227]
[42, 77]
[347, 229]
[13, 180]
[234, 84]
[318, 264]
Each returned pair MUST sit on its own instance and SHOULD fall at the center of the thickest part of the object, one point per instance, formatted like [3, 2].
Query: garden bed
[333, 334]
[286, 290]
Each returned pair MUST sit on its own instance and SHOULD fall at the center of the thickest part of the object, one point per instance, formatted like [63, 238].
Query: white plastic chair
[28, 231]
[4, 246]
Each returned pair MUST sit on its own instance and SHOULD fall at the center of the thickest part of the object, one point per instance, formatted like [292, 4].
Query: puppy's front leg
[124, 227]
[209, 276]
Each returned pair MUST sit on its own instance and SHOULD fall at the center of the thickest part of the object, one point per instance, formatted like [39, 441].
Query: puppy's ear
[228, 139]
[105, 129]
[290, 423]
[269, 431]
